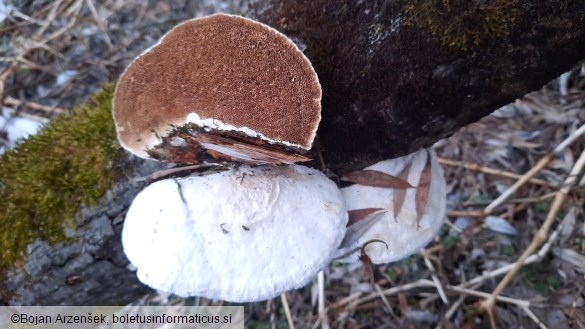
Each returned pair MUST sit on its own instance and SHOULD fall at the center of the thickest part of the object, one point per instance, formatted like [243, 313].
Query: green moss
[463, 24]
[45, 178]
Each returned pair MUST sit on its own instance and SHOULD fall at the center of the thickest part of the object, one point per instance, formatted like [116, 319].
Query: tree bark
[396, 76]
[91, 268]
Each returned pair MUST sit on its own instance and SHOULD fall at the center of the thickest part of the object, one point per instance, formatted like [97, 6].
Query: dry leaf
[369, 267]
[568, 225]
[354, 233]
[422, 191]
[400, 194]
[500, 225]
[402, 303]
[376, 178]
[570, 256]
[367, 260]
[359, 214]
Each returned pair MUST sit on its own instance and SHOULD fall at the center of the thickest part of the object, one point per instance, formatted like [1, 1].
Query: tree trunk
[396, 76]
[91, 268]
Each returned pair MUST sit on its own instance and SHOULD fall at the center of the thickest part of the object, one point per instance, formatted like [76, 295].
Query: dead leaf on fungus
[400, 194]
[367, 260]
[376, 178]
[422, 191]
[359, 214]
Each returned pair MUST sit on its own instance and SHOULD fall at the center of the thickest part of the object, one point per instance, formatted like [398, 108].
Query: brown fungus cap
[239, 72]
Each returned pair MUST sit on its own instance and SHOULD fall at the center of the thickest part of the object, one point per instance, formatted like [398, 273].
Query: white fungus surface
[400, 230]
[220, 125]
[241, 235]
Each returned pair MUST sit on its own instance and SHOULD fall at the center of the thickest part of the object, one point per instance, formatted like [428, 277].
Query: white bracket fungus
[246, 234]
[225, 88]
[393, 216]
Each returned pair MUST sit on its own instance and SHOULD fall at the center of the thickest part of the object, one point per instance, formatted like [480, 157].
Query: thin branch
[32, 105]
[523, 304]
[289, 319]
[395, 290]
[505, 269]
[542, 233]
[527, 176]
[438, 284]
[321, 300]
[100, 23]
[491, 171]
[25, 115]
[384, 299]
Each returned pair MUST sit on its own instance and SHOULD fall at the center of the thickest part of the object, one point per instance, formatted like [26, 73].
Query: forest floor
[56, 53]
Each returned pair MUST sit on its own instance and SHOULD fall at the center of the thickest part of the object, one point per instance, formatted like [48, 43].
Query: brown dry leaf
[400, 194]
[376, 178]
[367, 260]
[422, 191]
[369, 269]
[359, 214]
[403, 303]
[356, 231]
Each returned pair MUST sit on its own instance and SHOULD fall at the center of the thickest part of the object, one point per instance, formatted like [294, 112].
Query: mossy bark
[397, 75]
[63, 193]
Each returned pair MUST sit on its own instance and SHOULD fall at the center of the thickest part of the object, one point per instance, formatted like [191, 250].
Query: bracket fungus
[405, 218]
[231, 88]
[227, 89]
[280, 227]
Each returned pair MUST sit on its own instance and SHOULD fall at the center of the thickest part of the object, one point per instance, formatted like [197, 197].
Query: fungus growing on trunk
[218, 88]
[227, 89]
[240, 235]
[405, 218]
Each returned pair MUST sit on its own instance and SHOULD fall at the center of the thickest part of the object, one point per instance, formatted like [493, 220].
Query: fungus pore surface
[228, 69]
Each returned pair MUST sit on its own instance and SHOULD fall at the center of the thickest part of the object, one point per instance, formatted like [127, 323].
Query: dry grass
[56, 53]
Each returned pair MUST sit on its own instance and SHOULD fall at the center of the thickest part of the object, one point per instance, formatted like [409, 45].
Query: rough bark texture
[91, 269]
[400, 75]
[396, 75]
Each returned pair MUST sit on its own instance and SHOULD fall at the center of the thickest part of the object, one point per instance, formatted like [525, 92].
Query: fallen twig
[286, 307]
[32, 105]
[527, 176]
[434, 276]
[523, 304]
[321, 300]
[542, 233]
[491, 171]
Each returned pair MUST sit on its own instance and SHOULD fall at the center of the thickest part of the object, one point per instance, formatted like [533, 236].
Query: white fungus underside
[400, 233]
[295, 218]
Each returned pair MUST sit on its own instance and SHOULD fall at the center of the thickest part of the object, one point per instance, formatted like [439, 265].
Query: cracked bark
[394, 80]
[91, 269]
